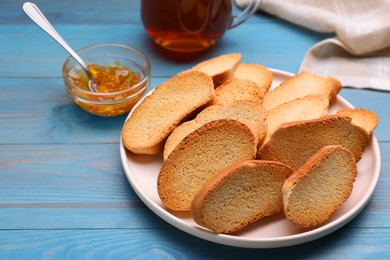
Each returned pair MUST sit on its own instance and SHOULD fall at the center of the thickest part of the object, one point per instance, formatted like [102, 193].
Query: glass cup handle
[245, 14]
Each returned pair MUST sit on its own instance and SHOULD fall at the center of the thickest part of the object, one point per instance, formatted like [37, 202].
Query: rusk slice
[243, 111]
[200, 156]
[176, 99]
[362, 117]
[318, 189]
[257, 73]
[240, 195]
[238, 89]
[219, 68]
[300, 85]
[306, 108]
[294, 143]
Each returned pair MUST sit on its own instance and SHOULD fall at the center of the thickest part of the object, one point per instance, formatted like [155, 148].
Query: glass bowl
[109, 103]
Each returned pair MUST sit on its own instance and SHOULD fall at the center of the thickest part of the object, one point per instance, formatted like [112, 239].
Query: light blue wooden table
[63, 192]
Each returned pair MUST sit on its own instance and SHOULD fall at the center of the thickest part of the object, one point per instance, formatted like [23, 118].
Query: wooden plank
[72, 215]
[62, 173]
[23, 56]
[74, 12]
[39, 111]
[119, 214]
[63, 193]
[103, 12]
[72, 186]
[174, 244]
[83, 185]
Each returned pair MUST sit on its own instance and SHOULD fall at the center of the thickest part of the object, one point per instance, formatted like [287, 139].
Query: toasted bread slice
[157, 115]
[219, 68]
[240, 195]
[305, 108]
[300, 85]
[362, 117]
[318, 189]
[257, 73]
[294, 143]
[177, 135]
[240, 110]
[238, 89]
[200, 156]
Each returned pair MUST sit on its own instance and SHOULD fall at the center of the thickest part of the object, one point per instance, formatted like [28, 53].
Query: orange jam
[116, 85]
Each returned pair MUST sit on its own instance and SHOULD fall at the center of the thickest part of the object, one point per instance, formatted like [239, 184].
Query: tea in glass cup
[190, 25]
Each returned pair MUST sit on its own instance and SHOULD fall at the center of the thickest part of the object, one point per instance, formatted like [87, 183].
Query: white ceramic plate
[275, 231]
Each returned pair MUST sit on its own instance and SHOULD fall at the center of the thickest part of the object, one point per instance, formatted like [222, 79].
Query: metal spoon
[39, 18]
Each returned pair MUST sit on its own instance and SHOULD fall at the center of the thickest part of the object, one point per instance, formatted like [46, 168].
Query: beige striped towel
[359, 54]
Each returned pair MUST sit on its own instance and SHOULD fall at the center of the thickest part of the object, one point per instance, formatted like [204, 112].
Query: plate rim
[248, 242]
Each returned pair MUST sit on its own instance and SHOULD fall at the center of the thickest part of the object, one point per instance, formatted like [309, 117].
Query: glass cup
[190, 25]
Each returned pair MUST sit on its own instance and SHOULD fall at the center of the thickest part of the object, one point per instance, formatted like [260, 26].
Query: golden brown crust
[236, 89]
[305, 108]
[294, 143]
[240, 195]
[200, 155]
[257, 73]
[300, 85]
[362, 117]
[318, 188]
[238, 110]
[219, 68]
[158, 114]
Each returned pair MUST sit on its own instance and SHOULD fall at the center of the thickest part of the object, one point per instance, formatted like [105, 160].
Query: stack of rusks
[236, 151]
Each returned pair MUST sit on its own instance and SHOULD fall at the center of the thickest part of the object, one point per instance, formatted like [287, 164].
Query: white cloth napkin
[359, 54]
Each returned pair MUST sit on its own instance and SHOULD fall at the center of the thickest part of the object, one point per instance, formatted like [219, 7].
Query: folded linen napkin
[359, 54]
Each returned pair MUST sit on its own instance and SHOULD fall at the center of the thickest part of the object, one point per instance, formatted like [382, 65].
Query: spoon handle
[39, 18]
